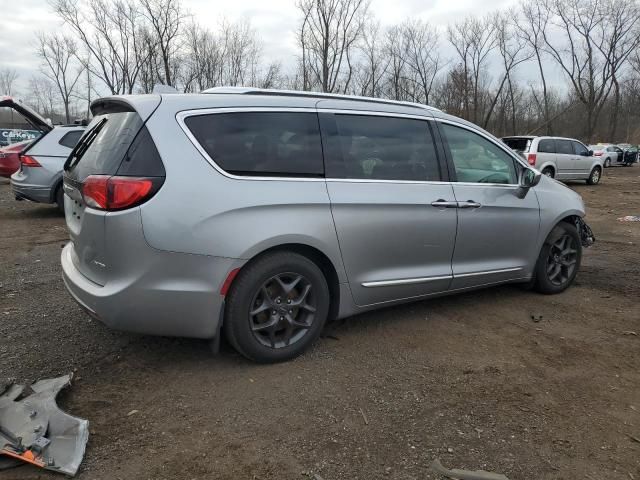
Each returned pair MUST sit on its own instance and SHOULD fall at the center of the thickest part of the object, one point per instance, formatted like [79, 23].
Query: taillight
[597, 154]
[28, 161]
[531, 158]
[116, 193]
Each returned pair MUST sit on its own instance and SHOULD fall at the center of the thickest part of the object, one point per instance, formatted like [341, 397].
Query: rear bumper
[166, 293]
[35, 193]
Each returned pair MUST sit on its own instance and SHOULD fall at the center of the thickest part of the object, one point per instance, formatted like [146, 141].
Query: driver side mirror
[529, 178]
[590, 153]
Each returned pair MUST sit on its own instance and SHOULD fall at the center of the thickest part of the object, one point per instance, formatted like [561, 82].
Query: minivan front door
[497, 226]
[395, 218]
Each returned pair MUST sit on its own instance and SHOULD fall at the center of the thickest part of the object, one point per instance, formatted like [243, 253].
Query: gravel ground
[472, 379]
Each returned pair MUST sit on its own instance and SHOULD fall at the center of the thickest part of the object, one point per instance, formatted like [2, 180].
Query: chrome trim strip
[404, 281]
[487, 272]
[413, 281]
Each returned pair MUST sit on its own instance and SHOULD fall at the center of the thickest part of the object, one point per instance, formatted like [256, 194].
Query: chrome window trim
[181, 116]
[417, 280]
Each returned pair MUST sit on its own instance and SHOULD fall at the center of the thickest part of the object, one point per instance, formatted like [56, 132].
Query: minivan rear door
[394, 216]
[100, 151]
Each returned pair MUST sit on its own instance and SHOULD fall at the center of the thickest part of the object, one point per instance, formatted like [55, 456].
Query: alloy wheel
[562, 259]
[595, 176]
[283, 310]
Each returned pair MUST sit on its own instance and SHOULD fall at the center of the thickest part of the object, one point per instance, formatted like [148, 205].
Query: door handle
[469, 204]
[441, 203]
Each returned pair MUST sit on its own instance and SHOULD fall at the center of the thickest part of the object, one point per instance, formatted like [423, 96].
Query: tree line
[499, 71]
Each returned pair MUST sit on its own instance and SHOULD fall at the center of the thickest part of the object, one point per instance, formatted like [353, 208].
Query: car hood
[32, 116]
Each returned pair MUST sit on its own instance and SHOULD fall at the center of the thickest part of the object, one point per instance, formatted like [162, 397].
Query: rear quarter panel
[199, 210]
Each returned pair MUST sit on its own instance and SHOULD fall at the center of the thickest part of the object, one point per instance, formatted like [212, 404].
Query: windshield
[519, 144]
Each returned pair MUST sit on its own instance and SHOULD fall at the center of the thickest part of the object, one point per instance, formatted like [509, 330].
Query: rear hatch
[114, 168]
[15, 131]
[520, 145]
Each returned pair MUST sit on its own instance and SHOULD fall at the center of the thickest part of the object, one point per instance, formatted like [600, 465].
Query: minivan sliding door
[395, 218]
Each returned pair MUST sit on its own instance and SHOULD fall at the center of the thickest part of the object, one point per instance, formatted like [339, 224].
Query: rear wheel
[607, 163]
[548, 171]
[60, 198]
[277, 307]
[594, 176]
[559, 260]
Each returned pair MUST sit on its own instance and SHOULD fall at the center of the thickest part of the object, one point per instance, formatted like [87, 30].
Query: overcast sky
[274, 20]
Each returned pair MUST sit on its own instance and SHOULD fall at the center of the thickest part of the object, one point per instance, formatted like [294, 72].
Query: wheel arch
[567, 217]
[317, 256]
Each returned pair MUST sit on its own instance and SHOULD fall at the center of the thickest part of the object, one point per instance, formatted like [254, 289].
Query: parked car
[266, 213]
[10, 158]
[608, 153]
[39, 178]
[558, 157]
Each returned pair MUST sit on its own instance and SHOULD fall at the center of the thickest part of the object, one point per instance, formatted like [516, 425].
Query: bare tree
[621, 33]
[328, 36]
[372, 69]
[165, 19]
[576, 45]
[473, 39]
[513, 52]
[531, 27]
[110, 32]
[58, 56]
[42, 96]
[420, 43]
[8, 77]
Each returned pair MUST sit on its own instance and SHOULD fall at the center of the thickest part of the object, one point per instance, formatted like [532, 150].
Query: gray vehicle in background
[558, 157]
[262, 214]
[39, 178]
[609, 154]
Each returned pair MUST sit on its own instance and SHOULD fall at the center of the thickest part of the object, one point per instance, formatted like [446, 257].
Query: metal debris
[630, 218]
[33, 430]
[455, 474]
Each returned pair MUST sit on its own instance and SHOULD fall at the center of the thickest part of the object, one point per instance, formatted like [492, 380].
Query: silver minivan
[260, 215]
[559, 157]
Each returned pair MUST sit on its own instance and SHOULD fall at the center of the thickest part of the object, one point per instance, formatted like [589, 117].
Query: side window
[564, 147]
[383, 148]
[478, 160]
[70, 139]
[580, 149]
[261, 143]
[547, 145]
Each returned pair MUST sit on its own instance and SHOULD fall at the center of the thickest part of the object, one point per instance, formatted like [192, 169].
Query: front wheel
[277, 307]
[559, 260]
[594, 176]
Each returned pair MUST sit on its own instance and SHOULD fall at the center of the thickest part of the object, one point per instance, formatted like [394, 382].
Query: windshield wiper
[84, 144]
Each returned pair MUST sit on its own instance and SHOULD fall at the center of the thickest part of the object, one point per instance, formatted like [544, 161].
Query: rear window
[261, 143]
[520, 145]
[70, 139]
[110, 145]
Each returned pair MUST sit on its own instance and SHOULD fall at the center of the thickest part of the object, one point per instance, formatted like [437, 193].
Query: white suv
[559, 158]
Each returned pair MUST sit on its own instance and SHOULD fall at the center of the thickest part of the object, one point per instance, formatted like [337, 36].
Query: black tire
[607, 163]
[60, 199]
[548, 171]
[594, 176]
[276, 333]
[558, 262]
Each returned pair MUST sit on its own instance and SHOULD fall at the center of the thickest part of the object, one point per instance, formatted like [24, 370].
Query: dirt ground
[471, 380]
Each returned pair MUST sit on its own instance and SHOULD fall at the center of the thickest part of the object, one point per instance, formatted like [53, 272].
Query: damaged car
[262, 214]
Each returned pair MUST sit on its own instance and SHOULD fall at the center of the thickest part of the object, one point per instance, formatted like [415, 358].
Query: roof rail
[319, 95]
